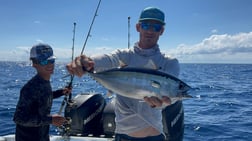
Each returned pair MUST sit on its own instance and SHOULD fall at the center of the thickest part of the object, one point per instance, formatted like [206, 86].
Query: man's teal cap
[152, 13]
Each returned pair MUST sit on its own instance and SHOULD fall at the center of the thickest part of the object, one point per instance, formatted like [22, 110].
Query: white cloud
[39, 41]
[224, 48]
[19, 54]
[214, 31]
[218, 48]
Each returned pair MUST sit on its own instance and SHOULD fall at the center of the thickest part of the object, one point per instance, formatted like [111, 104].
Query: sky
[196, 31]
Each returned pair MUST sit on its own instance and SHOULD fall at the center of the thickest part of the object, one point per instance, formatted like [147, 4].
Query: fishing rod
[128, 32]
[66, 128]
[71, 77]
[88, 35]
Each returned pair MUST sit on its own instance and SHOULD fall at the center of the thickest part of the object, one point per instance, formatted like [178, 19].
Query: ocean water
[221, 109]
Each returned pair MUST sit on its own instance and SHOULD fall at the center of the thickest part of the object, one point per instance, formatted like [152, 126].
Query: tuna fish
[140, 82]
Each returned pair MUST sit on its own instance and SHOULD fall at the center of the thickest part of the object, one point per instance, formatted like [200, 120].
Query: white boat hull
[60, 138]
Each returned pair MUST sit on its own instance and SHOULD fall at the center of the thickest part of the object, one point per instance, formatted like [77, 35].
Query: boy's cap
[152, 13]
[41, 52]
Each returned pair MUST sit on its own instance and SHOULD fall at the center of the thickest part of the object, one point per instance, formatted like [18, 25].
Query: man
[32, 116]
[136, 120]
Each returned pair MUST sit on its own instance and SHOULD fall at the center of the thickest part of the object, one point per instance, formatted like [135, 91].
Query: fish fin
[122, 64]
[151, 65]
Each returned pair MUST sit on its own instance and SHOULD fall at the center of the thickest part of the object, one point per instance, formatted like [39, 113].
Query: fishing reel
[65, 129]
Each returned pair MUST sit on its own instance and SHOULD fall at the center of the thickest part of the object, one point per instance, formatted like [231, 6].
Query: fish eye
[155, 84]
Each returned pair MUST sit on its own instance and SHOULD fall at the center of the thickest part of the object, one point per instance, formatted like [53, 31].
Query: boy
[32, 115]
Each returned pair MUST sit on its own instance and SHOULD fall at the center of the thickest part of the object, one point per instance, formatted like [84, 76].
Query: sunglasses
[148, 26]
[46, 62]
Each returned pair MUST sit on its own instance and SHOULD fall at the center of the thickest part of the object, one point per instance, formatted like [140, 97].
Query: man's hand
[154, 101]
[80, 65]
[58, 120]
[67, 90]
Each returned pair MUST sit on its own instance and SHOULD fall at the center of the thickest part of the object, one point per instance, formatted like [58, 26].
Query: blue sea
[221, 109]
